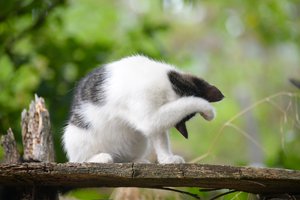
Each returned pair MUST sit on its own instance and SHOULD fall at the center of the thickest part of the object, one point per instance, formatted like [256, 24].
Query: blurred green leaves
[249, 49]
[48, 45]
[246, 48]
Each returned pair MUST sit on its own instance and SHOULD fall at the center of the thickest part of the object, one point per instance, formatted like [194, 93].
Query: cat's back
[138, 73]
[131, 80]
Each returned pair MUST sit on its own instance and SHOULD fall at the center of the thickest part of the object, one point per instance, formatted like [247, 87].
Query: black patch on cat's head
[188, 85]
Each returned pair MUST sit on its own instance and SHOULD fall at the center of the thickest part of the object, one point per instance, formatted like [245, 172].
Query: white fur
[140, 108]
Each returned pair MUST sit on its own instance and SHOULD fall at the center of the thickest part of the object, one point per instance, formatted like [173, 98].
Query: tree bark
[247, 179]
[10, 148]
[12, 156]
[36, 132]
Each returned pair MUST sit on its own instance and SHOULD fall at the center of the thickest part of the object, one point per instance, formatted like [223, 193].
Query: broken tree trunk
[36, 135]
[37, 147]
[10, 148]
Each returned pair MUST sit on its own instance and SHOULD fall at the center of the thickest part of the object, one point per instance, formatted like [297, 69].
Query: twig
[223, 194]
[245, 134]
[179, 191]
[208, 189]
[229, 122]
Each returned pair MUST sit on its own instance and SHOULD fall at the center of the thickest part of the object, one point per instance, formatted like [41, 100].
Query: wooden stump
[36, 133]
[38, 147]
[10, 148]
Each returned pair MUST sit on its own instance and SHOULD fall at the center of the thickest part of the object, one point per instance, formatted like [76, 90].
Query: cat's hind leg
[101, 158]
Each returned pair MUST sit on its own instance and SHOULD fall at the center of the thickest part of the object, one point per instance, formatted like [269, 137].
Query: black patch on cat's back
[78, 120]
[188, 85]
[90, 89]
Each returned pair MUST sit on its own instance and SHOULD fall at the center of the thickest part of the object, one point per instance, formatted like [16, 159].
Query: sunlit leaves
[248, 46]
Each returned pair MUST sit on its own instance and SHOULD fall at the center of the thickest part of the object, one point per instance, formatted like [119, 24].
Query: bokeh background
[249, 49]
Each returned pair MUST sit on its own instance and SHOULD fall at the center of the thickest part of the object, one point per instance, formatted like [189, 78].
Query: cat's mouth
[181, 127]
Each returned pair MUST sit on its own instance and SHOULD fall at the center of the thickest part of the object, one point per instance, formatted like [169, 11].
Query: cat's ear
[182, 84]
[188, 85]
[207, 91]
[213, 94]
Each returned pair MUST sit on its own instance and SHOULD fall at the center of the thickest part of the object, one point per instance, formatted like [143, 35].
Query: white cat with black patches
[125, 108]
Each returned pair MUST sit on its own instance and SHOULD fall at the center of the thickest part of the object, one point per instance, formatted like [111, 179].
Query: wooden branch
[247, 179]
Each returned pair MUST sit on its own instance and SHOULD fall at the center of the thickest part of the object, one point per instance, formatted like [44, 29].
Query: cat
[123, 109]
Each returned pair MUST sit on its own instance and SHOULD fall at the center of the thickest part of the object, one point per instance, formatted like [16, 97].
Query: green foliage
[89, 194]
[1, 153]
[247, 48]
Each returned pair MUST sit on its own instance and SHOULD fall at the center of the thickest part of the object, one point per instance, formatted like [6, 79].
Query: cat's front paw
[209, 113]
[171, 159]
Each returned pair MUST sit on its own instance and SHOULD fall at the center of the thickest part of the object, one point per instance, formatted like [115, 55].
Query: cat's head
[189, 85]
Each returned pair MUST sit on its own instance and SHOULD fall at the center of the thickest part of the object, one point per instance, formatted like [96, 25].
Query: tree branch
[247, 179]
